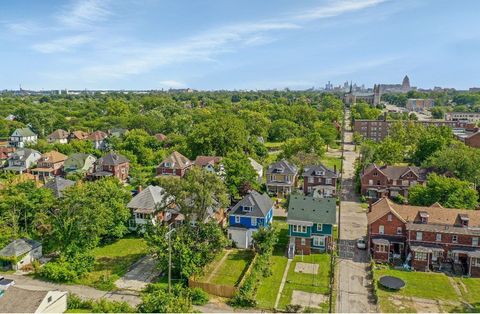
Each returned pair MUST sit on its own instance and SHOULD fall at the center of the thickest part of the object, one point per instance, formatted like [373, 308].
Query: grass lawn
[330, 161]
[112, 261]
[231, 271]
[318, 283]
[273, 145]
[472, 293]
[268, 288]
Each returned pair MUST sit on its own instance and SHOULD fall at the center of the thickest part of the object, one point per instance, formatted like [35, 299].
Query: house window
[319, 227]
[475, 241]
[375, 174]
[303, 241]
[476, 262]
[247, 208]
[254, 221]
[381, 229]
[420, 256]
[318, 241]
[310, 179]
[419, 236]
[389, 217]
[370, 182]
[167, 164]
[381, 248]
[438, 237]
[399, 230]
[299, 228]
[237, 219]
[436, 255]
[378, 182]
[328, 181]
[454, 238]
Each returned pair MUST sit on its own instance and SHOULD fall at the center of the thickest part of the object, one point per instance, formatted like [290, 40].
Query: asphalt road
[353, 284]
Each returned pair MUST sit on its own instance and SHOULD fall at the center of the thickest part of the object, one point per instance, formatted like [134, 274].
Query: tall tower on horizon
[406, 83]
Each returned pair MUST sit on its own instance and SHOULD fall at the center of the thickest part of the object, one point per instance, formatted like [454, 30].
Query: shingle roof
[178, 160]
[18, 300]
[202, 161]
[6, 151]
[160, 137]
[149, 198]
[24, 132]
[23, 154]
[58, 135]
[311, 170]
[311, 209]
[408, 213]
[58, 184]
[19, 247]
[284, 166]
[53, 157]
[260, 203]
[97, 136]
[80, 135]
[397, 172]
[112, 159]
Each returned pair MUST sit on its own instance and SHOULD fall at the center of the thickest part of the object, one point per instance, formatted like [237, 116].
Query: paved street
[82, 291]
[353, 291]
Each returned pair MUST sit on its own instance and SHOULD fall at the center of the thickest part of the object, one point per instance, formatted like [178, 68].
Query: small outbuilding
[20, 252]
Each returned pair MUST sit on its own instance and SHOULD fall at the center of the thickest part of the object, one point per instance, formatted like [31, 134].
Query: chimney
[139, 189]
[385, 116]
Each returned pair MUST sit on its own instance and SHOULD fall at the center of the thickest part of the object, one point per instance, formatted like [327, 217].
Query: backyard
[112, 261]
[424, 292]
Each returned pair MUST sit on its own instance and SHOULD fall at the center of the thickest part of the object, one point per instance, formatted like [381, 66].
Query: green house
[310, 223]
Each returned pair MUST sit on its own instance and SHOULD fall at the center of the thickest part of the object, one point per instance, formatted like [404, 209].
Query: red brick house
[49, 165]
[112, 164]
[5, 153]
[320, 179]
[379, 181]
[426, 238]
[174, 165]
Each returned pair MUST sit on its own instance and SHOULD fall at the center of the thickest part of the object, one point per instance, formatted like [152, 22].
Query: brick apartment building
[419, 105]
[472, 117]
[426, 238]
[377, 130]
[379, 181]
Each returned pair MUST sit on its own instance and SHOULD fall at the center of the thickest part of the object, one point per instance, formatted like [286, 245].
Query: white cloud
[62, 44]
[172, 84]
[84, 13]
[336, 8]
[22, 28]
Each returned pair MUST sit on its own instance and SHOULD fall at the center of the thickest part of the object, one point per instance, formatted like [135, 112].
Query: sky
[237, 44]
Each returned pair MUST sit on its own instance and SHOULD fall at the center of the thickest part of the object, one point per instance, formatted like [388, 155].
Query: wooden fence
[218, 290]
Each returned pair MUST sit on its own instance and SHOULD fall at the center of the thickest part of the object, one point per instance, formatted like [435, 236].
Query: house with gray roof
[252, 212]
[22, 137]
[58, 184]
[24, 251]
[22, 300]
[112, 164]
[22, 159]
[319, 180]
[310, 223]
[281, 178]
[150, 206]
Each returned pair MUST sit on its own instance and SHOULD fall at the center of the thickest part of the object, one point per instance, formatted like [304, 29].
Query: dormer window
[279, 170]
[375, 173]
[247, 208]
[168, 164]
[423, 217]
[464, 220]
[319, 173]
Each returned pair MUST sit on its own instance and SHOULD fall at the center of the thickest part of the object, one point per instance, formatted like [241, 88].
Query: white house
[22, 137]
[20, 300]
[22, 159]
[24, 251]
[258, 168]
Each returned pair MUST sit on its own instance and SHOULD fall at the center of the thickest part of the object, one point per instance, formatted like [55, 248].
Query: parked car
[361, 244]
[5, 283]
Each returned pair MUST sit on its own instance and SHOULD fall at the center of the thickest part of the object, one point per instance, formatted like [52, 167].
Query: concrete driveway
[140, 275]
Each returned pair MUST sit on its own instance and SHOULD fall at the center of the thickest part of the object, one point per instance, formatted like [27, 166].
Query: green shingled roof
[311, 209]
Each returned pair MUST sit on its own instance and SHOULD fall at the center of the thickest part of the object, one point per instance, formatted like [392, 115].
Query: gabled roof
[177, 160]
[58, 135]
[408, 213]
[112, 159]
[53, 156]
[311, 209]
[260, 204]
[6, 151]
[97, 136]
[80, 135]
[311, 171]
[19, 247]
[203, 161]
[160, 137]
[23, 154]
[58, 184]
[397, 172]
[285, 166]
[149, 198]
[19, 300]
[24, 132]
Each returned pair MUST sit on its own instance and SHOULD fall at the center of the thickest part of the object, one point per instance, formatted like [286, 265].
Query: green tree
[282, 129]
[449, 192]
[238, 173]
[156, 299]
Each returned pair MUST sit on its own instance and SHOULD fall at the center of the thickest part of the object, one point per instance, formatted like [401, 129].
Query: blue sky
[237, 44]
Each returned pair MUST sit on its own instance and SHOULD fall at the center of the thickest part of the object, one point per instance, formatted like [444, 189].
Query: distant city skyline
[214, 44]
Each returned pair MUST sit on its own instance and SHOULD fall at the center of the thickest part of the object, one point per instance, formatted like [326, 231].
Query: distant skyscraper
[406, 83]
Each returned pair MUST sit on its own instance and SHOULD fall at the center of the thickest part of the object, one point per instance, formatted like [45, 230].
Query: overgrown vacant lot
[112, 261]
[229, 270]
[428, 291]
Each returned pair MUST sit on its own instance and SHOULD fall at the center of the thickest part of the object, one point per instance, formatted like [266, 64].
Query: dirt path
[220, 263]
[282, 284]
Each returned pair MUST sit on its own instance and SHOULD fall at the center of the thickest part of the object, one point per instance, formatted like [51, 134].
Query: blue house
[310, 223]
[255, 210]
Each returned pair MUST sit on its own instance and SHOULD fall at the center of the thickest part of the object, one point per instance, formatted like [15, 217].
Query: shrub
[293, 308]
[58, 271]
[199, 297]
[105, 306]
